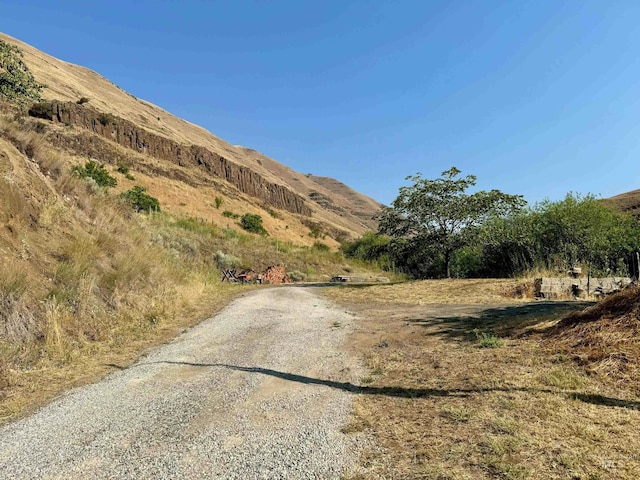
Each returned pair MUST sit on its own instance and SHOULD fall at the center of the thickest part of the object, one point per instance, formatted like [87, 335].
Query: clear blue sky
[534, 97]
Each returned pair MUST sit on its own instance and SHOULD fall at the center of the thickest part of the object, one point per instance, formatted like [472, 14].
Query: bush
[226, 260]
[16, 81]
[252, 223]
[106, 119]
[297, 276]
[321, 247]
[141, 201]
[42, 110]
[218, 201]
[229, 214]
[82, 101]
[95, 171]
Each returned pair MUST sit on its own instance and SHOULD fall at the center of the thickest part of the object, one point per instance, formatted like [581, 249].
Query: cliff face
[128, 135]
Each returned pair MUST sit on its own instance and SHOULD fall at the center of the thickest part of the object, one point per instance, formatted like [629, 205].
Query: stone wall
[567, 287]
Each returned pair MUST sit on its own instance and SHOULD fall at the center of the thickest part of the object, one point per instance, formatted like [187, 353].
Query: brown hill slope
[157, 141]
[626, 202]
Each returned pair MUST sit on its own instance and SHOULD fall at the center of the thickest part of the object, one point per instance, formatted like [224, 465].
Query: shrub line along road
[246, 394]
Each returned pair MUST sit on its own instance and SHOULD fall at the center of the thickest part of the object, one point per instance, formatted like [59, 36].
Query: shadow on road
[400, 392]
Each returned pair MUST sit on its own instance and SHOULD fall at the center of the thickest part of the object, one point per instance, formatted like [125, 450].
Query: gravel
[243, 395]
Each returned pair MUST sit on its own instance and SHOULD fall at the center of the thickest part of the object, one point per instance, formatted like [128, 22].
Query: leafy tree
[441, 216]
[97, 172]
[140, 200]
[16, 81]
[555, 235]
[252, 222]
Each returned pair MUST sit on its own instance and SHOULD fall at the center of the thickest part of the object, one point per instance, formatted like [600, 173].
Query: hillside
[252, 182]
[626, 202]
[85, 279]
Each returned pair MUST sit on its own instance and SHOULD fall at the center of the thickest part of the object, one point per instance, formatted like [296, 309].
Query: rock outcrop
[130, 136]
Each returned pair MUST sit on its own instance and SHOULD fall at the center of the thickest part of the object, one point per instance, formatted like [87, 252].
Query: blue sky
[533, 97]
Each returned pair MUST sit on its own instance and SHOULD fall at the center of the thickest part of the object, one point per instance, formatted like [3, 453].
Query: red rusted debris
[275, 275]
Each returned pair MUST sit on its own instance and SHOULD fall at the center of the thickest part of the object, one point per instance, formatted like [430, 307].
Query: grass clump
[230, 214]
[488, 340]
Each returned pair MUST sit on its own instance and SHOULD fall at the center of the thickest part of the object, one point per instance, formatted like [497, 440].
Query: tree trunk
[447, 262]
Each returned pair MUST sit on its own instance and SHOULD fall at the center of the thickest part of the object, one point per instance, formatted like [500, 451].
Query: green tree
[252, 222]
[438, 217]
[16, 81]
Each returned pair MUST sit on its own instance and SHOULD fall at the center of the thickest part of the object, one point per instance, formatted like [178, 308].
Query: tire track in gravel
[246, 394]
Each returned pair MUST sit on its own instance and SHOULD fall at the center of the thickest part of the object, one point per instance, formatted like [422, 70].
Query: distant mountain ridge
[161, 144]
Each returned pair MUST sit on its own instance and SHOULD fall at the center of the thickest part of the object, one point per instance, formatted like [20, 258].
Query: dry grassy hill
[85, 281]
[626, 202]
[247, 180]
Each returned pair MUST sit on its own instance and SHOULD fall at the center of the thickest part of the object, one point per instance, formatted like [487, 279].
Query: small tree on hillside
[252, 223]
[16, 81]
[440, 215]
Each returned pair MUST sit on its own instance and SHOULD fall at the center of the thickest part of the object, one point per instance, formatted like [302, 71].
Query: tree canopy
[439, 216]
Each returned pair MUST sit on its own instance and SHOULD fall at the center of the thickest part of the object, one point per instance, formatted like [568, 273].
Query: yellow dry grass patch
[469, 291]
[441, 407]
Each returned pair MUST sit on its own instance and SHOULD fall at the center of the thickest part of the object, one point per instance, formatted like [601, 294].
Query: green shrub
[321, 247]
[95, 171]
[82, 101]
[226, 260]
[141, 201]
[487, 340]
[229, 214]
[106, 119]
[41, 110]
[273, 213]
[252, 222]
[297, 276]
[16, 81]
[218, 201]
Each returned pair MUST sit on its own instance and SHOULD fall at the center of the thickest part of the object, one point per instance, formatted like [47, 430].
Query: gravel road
[255, 392]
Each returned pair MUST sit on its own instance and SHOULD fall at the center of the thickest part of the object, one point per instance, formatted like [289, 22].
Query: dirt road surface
[261, 390]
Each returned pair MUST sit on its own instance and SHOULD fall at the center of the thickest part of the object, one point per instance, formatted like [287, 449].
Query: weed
[486, 340]
[566, 378]
[456, 414]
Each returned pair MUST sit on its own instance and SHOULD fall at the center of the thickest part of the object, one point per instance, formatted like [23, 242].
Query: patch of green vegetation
[487, 340]
[107, 119]
[322, 247]
[95, 171]
[17, 83]
[252, 222]
[218, 202]
[230, 214]
[41, 110]
[140, 200]
[82, 101]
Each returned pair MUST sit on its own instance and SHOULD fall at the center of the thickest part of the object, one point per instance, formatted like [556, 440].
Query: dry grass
[604, 339]
[87, 283]
[472, 291]
[441, 407]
